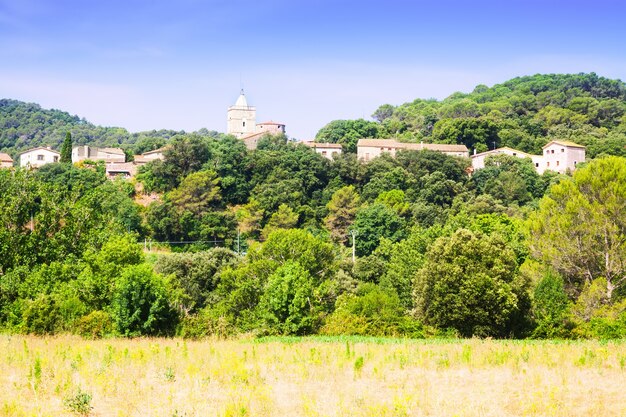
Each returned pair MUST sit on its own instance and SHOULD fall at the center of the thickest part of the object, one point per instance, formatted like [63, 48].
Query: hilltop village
[560, 156]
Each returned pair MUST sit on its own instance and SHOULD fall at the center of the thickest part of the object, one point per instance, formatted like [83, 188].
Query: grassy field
[310, 377]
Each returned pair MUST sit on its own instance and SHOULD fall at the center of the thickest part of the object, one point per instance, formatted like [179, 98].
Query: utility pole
[353, 233]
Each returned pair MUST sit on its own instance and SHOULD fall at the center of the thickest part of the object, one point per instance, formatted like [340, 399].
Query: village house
[561, 156]
[157, 154]
[5, 160]
[37, 157]
[328, 150]
[478, 160]
[368, 149]
[242, 123]
[558, 156]
[83, 152]
[120, 169]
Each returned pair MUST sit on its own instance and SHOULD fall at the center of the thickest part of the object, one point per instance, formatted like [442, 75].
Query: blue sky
[144, 65]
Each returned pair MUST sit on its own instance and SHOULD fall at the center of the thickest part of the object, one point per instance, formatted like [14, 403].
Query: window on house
[548, 163]
[557, 163]
[574, 163]
[324, 153]
[244, 124]
[537, 164]
[514, 153]
[40, 157]
[562, 149]
[55, 159]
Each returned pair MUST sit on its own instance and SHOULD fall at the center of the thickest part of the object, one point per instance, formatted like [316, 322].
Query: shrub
[550, 307]
[141, 304]
[372, 311]
[94, 325]
[41, 315]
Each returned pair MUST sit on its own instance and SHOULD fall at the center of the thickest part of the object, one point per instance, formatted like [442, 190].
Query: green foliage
[141, 304]
[79, 403]
[469, 283]
[371, 311]
[347, 132]
[197, 274]
[94, 325]
[66, 149]
[375, 222]
[342, 210]
[288, 303]
[550, 307]
[579, 228]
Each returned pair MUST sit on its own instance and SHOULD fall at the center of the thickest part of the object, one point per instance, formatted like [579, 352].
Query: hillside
[27, 125]
[523, 113]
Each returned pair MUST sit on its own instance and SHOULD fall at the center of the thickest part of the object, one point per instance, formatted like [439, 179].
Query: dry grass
[312, 377]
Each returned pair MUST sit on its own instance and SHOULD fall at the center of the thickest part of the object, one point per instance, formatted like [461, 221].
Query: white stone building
[241, 118]
[561, 156]
[36, 157]
[478, 160]
[242, 123]
[368, 149]
[328, 150]
[150, 156]
[83, 152]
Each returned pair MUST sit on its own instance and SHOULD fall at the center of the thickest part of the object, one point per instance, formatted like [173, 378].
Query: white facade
[558, 156]
[368, 149]
[241, 118]
[478, 160]
[34, 158]
[327, 150]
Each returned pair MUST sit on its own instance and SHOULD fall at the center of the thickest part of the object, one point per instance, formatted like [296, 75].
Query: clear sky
[164, 64]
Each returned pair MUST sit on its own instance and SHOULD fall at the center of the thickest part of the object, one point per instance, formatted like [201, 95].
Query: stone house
[5, 160]
[37, 157]
[83, 152]
[368, 149]
[328, 150]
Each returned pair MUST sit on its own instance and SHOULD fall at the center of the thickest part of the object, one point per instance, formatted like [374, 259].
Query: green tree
[66, 149]
[288, 303]
[141, 304]
[283, 218]
[342, 209]
[374, 222]
[550, 307]
[469, 282]
[580, 228]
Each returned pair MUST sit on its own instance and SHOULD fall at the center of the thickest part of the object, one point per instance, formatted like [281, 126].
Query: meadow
[66, 375]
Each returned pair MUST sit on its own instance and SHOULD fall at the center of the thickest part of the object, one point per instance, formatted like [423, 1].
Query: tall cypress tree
[66, 149]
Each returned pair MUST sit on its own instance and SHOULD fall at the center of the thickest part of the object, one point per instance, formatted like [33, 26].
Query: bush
[550, 307]
[41, 315]
[372, 311]
[141, 304]
[94, 325]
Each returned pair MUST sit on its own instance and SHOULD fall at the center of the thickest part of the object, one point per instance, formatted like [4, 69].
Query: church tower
[241, 118]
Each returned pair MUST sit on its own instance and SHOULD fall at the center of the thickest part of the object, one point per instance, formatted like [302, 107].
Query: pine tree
[66, 149]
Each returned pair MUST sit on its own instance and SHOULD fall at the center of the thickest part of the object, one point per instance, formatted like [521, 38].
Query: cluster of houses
[114, 158]
[559, 156]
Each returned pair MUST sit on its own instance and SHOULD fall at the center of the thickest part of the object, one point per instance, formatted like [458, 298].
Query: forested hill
[26, 125]
[524, 113]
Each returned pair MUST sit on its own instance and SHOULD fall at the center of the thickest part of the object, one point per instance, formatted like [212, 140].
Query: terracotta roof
[41, 147]
[5, 157]
[498, 151]
[391, 143]
[271, 123]
[563, 143]
[312, 144]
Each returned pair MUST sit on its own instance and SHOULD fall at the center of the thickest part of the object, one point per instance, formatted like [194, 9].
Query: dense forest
[27, 125]
[219, 240]
[524, 113]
